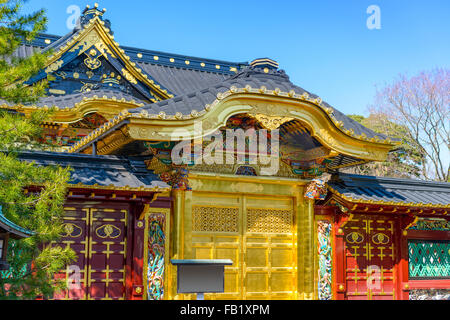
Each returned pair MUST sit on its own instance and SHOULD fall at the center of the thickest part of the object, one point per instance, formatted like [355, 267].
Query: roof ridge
[45, 41]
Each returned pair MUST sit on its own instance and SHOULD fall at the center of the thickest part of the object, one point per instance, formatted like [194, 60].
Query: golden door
[98, 237]
[256, 233]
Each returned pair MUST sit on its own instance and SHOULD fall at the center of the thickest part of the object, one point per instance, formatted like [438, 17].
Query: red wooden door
[107, 253]
[76, 236]
[369, 258]
[98, 236]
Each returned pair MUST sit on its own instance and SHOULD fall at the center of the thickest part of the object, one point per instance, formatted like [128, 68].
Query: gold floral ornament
[92, 62]
[380, 238]
[108, 231]
[71, 230]
[355, 237]
[271, 122]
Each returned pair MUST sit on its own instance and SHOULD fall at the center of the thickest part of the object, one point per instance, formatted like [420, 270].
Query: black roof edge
[340, 176]
[55, 155]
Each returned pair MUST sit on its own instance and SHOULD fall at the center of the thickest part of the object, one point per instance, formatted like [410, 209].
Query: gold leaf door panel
[257, 235]
[369, 258]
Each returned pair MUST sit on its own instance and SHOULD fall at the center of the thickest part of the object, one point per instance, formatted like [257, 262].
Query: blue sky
[324, 46]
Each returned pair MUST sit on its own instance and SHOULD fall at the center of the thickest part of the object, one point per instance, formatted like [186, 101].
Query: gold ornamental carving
[71, 230]
[246, 187]
[269, 220]
[128, 76]
[271, 122]
[92, 39]
[215, 219]
[54, 66]
[195, 184]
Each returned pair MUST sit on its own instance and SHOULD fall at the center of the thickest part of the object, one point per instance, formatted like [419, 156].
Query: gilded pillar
[309, 252]
[177, 238]
[187, 225]
[299, 218]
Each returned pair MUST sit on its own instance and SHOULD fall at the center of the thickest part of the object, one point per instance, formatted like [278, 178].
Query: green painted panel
[429, 259]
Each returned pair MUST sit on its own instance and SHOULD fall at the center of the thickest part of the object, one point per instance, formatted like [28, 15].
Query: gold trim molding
[109, 107]
[276, 105]
[389, 203]
[96, 34]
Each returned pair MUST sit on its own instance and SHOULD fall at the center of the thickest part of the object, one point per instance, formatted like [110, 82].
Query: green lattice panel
[429, 259]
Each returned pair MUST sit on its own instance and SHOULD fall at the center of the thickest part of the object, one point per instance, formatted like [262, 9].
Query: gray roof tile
[255, 78]
[69, 101]
[391, 189]
[105, 171]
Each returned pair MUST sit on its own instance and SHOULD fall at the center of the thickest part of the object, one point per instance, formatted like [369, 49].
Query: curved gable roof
[253, 77]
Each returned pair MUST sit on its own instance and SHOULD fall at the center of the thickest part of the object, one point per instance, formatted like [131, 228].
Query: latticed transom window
[429, 259]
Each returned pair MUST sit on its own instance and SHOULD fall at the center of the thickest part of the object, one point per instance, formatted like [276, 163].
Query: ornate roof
[101, 172]
[251, 77]
[390, 191]
[144, 92]
[194, 81]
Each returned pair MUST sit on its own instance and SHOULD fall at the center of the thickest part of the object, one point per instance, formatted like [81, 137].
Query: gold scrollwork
[355, 237]
[108, 231]
[380, 238]
[71, 230]
[271, 122]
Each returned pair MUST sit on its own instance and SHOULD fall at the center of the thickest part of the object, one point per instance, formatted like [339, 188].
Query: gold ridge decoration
[128, 76]
[215, 219]
[92, 39]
